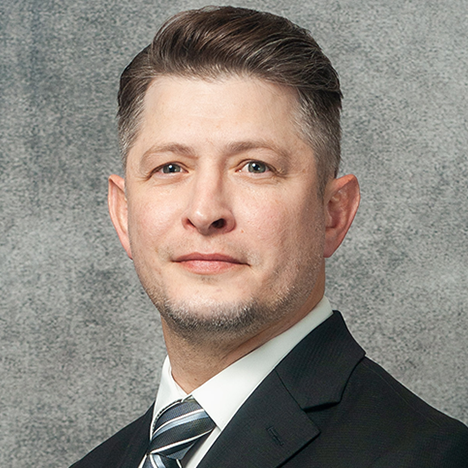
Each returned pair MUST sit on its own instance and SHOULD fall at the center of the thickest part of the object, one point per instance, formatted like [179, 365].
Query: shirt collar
[224, 394]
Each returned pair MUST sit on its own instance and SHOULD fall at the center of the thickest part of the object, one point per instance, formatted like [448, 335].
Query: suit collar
[318, 368]
[136, 447]
[267, 429]
[272, 425]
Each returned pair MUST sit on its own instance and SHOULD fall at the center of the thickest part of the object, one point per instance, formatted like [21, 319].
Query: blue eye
[257, 167]
[171, 168]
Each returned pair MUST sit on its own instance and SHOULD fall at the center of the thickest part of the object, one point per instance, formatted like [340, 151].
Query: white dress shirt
[224, 394]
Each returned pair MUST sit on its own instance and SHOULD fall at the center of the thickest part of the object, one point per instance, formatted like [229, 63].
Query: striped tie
[176, 430]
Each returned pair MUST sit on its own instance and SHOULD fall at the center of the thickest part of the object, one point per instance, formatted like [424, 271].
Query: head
[229, 123]
[215, 42]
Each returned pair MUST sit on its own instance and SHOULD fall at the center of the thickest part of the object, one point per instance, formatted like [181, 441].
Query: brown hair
[215, 41]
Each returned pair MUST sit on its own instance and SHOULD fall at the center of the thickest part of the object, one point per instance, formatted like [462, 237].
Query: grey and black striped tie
[176, 430]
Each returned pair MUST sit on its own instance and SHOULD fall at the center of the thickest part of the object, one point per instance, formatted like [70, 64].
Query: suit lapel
[135, 447]
[269, 428]
[317, 370]
[273, 424]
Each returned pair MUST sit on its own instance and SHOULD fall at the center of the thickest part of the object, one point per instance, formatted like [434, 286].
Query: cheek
[149, 221]
[274, 224]
[293, 229]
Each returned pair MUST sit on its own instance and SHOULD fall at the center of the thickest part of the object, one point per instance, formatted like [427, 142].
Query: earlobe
[118, 210]
[341, 199]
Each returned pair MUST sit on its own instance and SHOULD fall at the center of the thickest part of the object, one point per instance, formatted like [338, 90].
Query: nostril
[219, 223]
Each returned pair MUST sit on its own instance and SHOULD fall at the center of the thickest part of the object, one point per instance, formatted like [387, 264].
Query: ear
[341, 200]
[118, 210]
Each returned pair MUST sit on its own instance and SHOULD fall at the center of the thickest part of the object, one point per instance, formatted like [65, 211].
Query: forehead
[226, 111]
[226, 97]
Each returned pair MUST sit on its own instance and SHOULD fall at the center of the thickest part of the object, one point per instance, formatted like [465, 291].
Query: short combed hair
[213, 42]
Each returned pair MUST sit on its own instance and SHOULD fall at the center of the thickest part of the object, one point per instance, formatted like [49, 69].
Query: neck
[195, 361]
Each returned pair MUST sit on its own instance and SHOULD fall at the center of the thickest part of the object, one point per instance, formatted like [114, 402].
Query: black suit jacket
[324, 406]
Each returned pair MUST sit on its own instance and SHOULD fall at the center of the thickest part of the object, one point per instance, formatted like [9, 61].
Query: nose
[209, 209]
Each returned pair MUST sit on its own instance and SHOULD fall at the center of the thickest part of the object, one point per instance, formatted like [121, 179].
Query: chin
[211, 318]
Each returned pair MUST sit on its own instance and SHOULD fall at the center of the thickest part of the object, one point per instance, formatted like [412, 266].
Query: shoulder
[364, 416]
[408, 431]
[375, 387]
[131, 441]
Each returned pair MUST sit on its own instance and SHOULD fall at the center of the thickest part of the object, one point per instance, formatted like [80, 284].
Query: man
[229, 125]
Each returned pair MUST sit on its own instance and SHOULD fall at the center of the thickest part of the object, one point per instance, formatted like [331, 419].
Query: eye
[170, 168]
[256, 167]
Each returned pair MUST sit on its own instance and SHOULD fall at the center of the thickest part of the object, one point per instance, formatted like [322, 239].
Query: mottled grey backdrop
[80, 342]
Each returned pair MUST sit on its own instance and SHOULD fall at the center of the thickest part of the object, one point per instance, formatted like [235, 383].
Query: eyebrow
[231, 149]
[169, 148]
[242, 146]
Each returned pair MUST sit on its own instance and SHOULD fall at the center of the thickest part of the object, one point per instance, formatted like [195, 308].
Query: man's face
[225, 226]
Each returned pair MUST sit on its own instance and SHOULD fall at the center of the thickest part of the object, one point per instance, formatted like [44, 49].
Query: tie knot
[176, 411]
[177, 429]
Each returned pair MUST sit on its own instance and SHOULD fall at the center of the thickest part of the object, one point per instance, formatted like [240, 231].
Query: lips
[208, 263]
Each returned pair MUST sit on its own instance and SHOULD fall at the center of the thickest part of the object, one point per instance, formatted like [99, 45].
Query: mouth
[208, 264]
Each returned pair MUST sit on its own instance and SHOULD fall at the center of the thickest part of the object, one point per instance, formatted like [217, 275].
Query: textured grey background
[80, 343]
